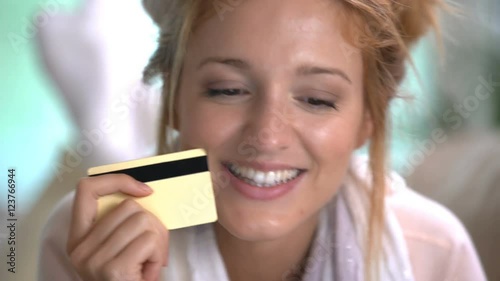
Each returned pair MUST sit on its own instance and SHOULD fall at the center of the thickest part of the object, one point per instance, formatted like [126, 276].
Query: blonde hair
[383, 30]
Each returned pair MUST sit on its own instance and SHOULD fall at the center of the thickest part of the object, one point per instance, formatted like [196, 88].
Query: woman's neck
[267, 260]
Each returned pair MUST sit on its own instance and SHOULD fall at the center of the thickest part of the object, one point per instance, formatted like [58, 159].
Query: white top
[428, 244]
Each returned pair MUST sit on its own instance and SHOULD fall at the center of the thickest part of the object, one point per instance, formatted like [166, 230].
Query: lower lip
[261, 193]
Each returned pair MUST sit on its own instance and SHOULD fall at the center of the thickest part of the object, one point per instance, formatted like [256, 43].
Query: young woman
[280, 94]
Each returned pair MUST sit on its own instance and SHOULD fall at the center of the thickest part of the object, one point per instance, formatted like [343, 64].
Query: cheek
[330, 149]
[330, 145]
[329, 139]
[203, 125]
[332, 139]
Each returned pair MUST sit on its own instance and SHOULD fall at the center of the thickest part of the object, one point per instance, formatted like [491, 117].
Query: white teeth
[259, 177]
[250, 173]
[244, 170]
[263, 179]
[270, 178]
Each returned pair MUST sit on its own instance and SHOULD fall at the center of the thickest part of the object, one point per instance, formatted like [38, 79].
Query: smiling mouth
[264, 179]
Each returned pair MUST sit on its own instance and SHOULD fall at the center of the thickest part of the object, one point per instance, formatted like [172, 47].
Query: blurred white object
[464, 175]
[96, 57]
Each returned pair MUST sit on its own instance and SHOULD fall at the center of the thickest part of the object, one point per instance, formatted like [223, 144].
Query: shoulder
[419, 215]
[438, 244]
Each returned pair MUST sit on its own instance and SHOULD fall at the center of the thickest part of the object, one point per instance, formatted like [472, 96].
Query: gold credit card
[183, 194]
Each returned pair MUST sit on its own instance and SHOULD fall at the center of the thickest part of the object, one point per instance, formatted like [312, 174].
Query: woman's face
[274, 94]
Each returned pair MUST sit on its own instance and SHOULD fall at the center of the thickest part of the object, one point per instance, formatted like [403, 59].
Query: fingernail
[145, 187]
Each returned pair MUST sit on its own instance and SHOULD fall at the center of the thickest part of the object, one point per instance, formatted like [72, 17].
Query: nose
[268, 127]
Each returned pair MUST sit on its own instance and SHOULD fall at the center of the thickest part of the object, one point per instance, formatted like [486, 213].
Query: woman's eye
[225, 92]
[320, 103]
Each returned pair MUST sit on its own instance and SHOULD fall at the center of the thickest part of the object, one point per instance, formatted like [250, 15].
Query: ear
[365, 129]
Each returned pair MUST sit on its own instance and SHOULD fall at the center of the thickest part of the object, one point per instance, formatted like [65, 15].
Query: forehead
[273, 31]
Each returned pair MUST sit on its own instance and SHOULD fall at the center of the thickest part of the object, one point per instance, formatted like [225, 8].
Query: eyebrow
[303, 70]
[237, 63]
[311, 70]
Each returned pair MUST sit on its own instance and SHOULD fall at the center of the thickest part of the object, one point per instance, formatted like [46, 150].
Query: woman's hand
[127, 244]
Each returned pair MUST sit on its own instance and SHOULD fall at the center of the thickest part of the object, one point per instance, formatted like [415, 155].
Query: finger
[112, 225]
[124, 234]
[85, 203]
[164, 235]
[143, 253]
[151, 271]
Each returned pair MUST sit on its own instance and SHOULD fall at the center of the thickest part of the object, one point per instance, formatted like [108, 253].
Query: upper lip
[263, 166]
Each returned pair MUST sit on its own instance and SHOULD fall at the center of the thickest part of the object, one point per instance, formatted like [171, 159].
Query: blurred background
[58, 57]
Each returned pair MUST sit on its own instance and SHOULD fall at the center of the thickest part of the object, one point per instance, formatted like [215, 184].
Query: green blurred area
[33, 123]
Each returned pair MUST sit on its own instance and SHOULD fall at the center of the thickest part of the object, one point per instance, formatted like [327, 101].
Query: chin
[255, 222]
[254, 231]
